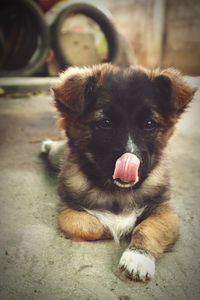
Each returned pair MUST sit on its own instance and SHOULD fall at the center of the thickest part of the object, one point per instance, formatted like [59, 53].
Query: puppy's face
[119, 121]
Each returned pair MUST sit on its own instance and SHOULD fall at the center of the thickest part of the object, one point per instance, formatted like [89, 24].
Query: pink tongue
[126, 168]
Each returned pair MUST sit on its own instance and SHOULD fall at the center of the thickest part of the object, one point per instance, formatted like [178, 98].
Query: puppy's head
[118, 121]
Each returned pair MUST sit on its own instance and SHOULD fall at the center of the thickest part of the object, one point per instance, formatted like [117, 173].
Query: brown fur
[157, 233]
[183, 92]
[81, 226]
[154, 235]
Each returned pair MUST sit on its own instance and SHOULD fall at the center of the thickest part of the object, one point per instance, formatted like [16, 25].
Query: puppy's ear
[71, 90]
[173, 87]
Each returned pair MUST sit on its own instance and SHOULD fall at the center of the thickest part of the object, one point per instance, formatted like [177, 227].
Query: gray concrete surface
[37, 262]
[27, 84]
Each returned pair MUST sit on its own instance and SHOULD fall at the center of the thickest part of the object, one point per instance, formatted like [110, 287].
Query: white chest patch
[119, 225]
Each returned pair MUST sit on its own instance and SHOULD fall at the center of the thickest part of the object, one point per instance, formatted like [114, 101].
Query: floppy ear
[175, 88]
[74, 93]
[70, 91]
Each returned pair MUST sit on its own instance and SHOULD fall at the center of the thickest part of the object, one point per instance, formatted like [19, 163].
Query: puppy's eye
[104, 124]
[150, 125]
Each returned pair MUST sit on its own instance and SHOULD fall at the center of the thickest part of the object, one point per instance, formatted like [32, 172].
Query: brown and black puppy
[114, 177]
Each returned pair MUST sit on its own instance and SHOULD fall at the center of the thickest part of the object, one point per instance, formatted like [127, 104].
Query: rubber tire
[95, 14]
[34, 64]
[21, 53]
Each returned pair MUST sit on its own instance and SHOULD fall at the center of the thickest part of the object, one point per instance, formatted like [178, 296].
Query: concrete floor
[37, 262]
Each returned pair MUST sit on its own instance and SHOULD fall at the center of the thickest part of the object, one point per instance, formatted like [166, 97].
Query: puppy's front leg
[81, 226]
[150, 239]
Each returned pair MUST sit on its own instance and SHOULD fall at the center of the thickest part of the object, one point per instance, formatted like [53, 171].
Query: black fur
[133, 101]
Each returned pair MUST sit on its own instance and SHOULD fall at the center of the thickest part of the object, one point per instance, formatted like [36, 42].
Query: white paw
[46, 146]
[138, 266]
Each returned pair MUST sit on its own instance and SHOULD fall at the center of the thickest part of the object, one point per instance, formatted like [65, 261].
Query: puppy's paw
[137, 265]
[46, 146]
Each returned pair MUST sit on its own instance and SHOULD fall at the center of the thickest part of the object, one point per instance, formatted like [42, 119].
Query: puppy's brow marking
[99, 115]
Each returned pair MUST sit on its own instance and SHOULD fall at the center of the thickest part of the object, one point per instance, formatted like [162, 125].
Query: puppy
[114, 177]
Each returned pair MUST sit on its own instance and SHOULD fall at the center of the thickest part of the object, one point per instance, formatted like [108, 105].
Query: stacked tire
[24, 38]
[97, 15]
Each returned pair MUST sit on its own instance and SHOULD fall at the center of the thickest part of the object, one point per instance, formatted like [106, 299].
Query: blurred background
[43, 37]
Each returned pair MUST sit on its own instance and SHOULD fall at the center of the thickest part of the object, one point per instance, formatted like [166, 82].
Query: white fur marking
[119, 225]
[46, 146]
[130, 146]
[139, 266]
